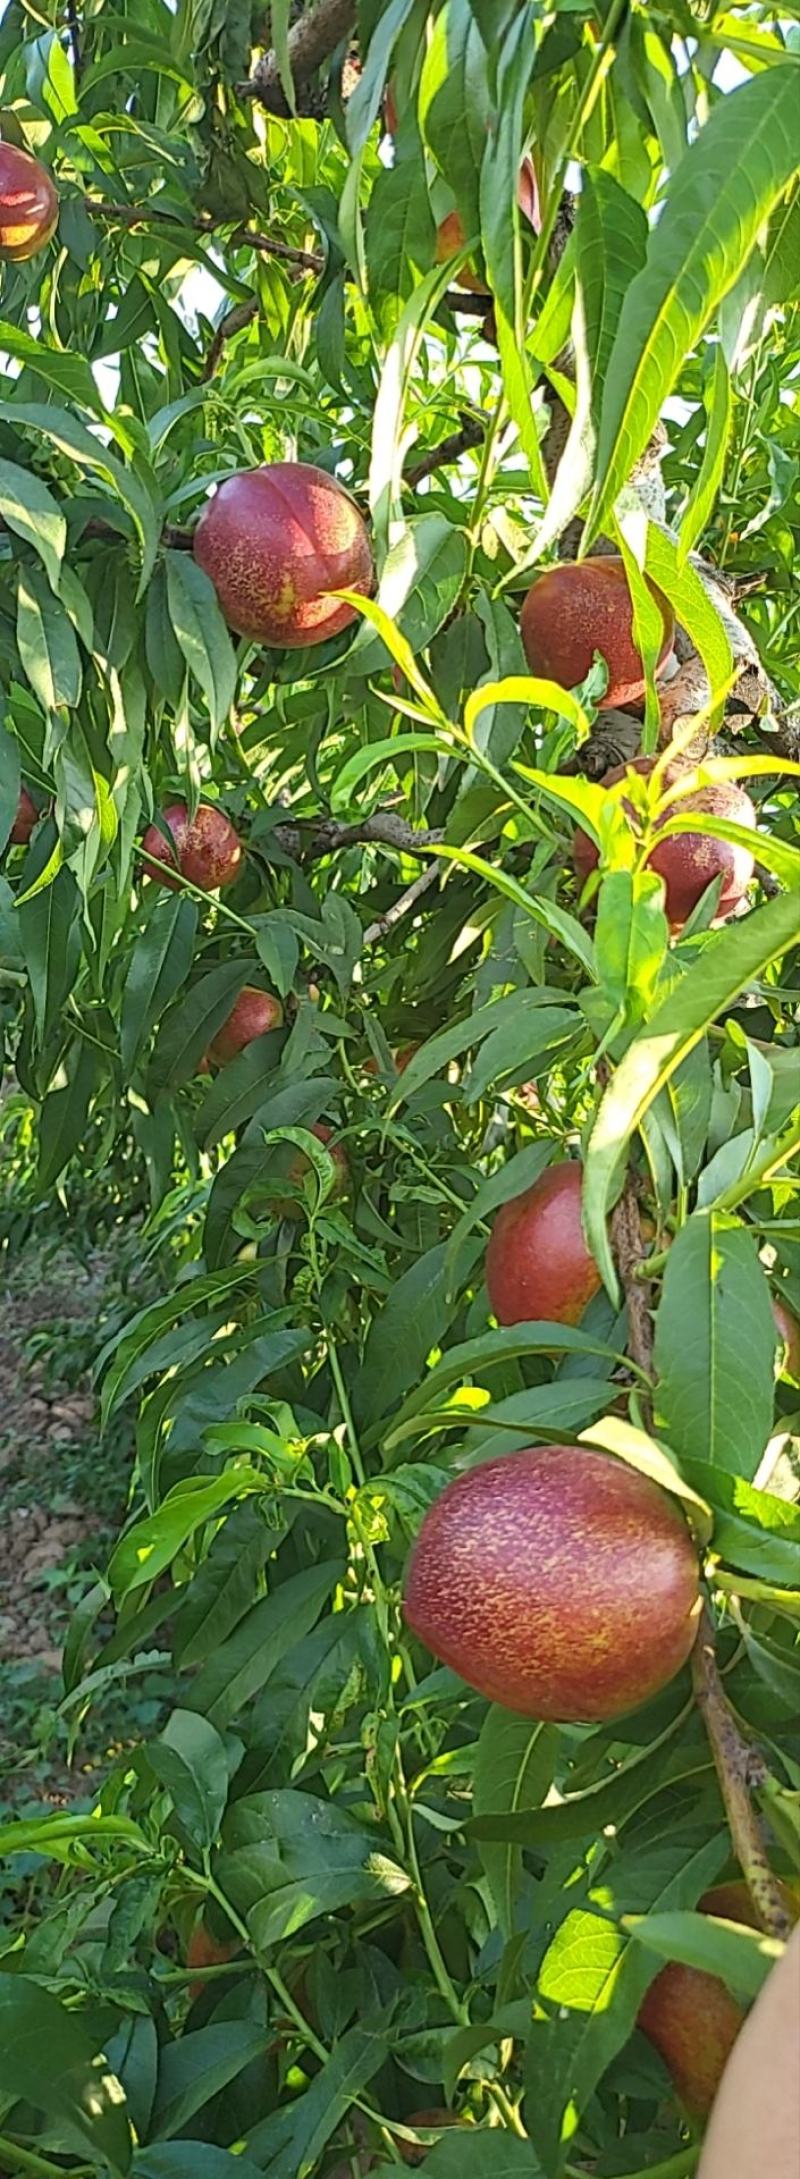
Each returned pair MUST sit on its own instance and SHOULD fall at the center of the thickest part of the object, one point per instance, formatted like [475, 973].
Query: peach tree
[399, 451]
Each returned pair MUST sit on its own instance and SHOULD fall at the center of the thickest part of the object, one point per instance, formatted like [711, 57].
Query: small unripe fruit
[254, 1013]
[26, 819]
[691, 2017]
[538, 1266]
[275, 543]
[788, 1330]
[557, 1581]
[585, 606]
[28, 205]
[206, 848]
[688, 861]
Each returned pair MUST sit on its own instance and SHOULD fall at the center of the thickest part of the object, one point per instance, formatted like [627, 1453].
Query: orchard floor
[62, 1495]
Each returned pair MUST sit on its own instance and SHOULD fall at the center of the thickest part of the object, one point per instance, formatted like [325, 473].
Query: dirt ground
[47, 1520]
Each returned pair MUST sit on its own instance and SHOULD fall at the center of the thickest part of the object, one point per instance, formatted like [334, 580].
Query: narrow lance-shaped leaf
[730, 960]
[716, 202]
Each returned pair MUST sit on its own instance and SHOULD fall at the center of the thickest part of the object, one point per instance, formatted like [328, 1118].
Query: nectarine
[28, 205]
[252, 1015]
[689, 861]
[788, 1330]
[206, 848]
[585, 606]
[558, 1581]
[276, 542]
[691, 2017]
[26, 818]
[538, 1266]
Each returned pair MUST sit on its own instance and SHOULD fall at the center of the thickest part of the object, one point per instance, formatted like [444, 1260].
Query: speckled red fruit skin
[691, 2017]
[558, 1582]
[788, 1329]
[254, 1013]
[28, 205]
[275, 542]
[26, 818]
[208, 850]
[538, 1267]
[689, 861]
[585, 606]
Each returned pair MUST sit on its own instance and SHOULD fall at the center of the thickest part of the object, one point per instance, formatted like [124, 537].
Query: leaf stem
[40, 2167]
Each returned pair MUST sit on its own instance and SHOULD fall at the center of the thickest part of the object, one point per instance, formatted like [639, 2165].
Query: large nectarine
[206, 1950]
[691, 2017]
[26, 818]
[538, 1266]
[557, 1581]
[689, 861]
[276, 542]
[206, 848]
[254, 1013]
[585, 606]
[28, 205]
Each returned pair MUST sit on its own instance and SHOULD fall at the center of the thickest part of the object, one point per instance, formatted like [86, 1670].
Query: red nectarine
[26, 818]
[252, 1015]
[585, 606]
[558, 1581]
[688, 861]
[206, 848]
[538, 1266]
[276, 542]
[28, 205]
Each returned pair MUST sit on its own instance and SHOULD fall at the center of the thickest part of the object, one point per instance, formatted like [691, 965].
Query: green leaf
[225, 1586]
[197, 2067]
[753, 1529]
[610, 249]
[693, 607]
[191, 1024]
[241, 1087]
[71, 437]
[51, 944]
[716, 201]
[706, 484]
[29, 509]
[478, 2154]
[420, 581]
[631, 938]
[742, 1958]
[470, 1359]
[454, 104]
[46, 641]
[514, 1767]
[610, 1802]
[144, 1550]
[418, 1310]
[129, 1347]
[243, 1664]
[730, 960]
[65, 1114]
[201, 632]
[191, 1760]
[289, 1857]
[500, 232]
[352, 2063]
[523, 1049]
[159, 964]
[715, 1346]
[74, 2087]
[596, 1978]
[280, 14]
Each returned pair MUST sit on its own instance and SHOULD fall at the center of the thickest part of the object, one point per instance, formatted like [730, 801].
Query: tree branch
[311, 41]
[401, 907]
[308, 839]
[630, 1252]
[234, 321]
[203, 223]
[739, 1768]
[472, 433]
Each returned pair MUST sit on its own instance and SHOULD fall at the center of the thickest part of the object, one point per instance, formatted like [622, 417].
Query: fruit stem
[740, 1768]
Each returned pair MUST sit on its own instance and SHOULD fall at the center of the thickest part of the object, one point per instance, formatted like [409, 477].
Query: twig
[307, 840]
[203, 223]
[471, 306]
[630, 1252]
[234, 321]
[401, 906]
[740, 1768]
[471, 433]
[311, 41]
